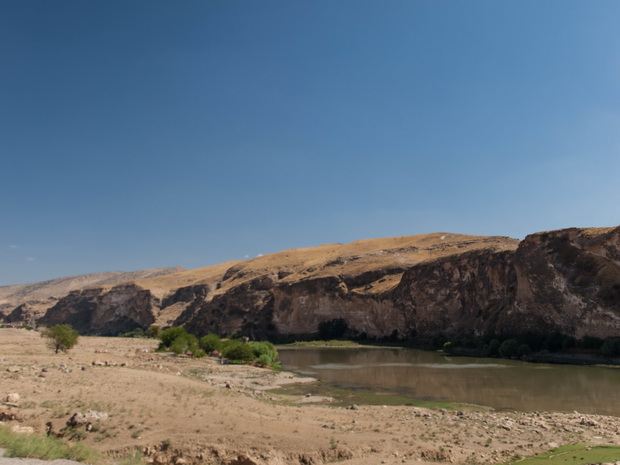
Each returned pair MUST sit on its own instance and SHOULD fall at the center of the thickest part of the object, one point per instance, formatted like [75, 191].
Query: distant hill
[40, 296]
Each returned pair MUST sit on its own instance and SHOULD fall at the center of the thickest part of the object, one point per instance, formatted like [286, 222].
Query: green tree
[238, 351]
[211, 342]
[153, 332]
[264, 352]
[509, 348]
[61, 337]
[168, 336]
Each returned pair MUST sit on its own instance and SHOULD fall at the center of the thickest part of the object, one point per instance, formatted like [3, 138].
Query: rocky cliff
[415, 286]
[27, 303]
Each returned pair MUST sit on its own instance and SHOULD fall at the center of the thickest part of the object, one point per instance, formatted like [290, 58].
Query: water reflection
[502, 384]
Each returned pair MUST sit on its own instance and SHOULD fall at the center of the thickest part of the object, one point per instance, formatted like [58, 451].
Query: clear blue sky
[139, 134]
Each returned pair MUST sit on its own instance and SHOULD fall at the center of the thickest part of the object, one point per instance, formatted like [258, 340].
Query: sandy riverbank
[186, 411]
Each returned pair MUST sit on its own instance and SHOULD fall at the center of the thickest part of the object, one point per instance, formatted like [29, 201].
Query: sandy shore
[182, 411]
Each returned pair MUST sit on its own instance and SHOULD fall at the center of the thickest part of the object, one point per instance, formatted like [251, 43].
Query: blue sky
[139, 134]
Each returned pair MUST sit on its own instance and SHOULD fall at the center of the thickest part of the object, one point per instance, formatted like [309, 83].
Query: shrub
[184, 342]
[61, 337]
[238, 351]
[523, 350]
[153, 332]
[611, 347]
[264, 352]
[168, 336]
[137, 332]
[491, 349]
[509, 348]
[43, 447]
[211, 342]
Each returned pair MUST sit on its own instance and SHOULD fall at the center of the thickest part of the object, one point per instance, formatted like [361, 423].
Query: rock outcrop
[430, 285]
[27, 303]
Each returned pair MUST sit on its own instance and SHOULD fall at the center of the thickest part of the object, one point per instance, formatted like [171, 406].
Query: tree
[61, 337]
[153, 332]
[211, 342]
[509, 348]
[238, 351]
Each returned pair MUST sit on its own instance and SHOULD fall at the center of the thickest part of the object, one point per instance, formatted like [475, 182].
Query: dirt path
[183, 412]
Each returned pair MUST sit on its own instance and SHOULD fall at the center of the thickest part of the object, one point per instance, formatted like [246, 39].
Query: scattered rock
[22, 429]
[95, 415]
[587, 422]
[77, 419]
[13, 398]
[13, 369]
[354, 407]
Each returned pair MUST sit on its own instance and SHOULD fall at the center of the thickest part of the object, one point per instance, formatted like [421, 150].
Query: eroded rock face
[425, 286]
[461, 295]
[569, 281]
[105, 311]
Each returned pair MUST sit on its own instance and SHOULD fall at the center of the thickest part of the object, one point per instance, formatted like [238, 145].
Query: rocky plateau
[438, 284]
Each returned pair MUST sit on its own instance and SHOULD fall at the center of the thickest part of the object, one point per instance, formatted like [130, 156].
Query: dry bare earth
[156, 400]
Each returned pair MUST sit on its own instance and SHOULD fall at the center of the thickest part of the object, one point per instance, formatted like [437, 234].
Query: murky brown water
[502, 384]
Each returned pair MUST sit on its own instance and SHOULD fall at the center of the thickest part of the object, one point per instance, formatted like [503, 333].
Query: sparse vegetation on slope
[43, 447]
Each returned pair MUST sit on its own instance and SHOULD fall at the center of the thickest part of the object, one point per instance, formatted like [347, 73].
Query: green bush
[509, 348]
[43, 447]
[264, 352]
[61, 337]
[137, 332]
[491, 349]
[523, 350]
[211, 342]
[183, 343]
[153, 332]
[237, 351]
[169, 335]
[611, 347]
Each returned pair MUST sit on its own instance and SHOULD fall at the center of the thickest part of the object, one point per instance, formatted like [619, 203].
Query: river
[497, 383]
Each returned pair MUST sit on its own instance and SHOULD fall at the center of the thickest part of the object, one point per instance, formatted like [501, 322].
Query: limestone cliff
[423, 286]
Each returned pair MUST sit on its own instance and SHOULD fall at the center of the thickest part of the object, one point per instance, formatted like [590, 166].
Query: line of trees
[177, 340]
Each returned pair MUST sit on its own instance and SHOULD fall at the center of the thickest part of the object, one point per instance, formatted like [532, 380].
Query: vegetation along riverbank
[181, 410]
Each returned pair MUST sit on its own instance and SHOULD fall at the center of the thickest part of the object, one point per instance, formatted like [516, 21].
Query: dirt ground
[182, 411]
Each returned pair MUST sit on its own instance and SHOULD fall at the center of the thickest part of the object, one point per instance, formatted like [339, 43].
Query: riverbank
[183, 411]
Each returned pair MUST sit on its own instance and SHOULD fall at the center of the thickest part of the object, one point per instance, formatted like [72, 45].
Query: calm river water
[502, 384]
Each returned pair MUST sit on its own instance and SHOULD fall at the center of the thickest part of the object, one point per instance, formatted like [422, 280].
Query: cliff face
[295, 291]
[431, 285]
[95, 311]
[569, 281]
[460, 295]
[27, 303]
